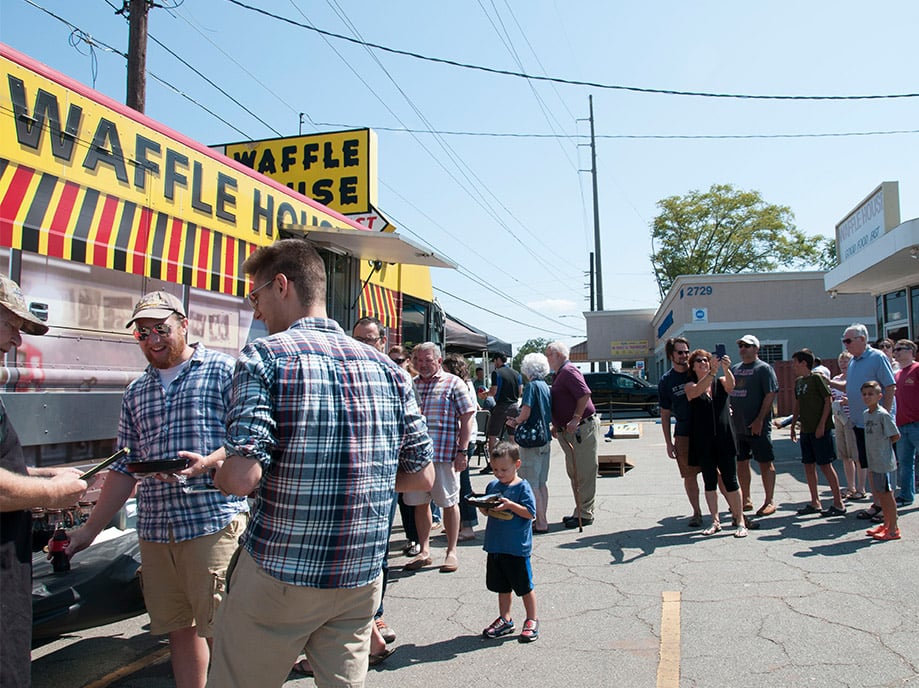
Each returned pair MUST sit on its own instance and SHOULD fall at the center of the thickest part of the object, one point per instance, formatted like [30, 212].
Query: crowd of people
[299, 453]
[717, 417]
[272, 529]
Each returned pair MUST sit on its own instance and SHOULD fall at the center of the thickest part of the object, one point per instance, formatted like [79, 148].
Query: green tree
[530, 346]
[724, 231]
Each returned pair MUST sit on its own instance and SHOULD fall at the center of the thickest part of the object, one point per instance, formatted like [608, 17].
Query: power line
[519, 322]
[569, 82]
[585, 137]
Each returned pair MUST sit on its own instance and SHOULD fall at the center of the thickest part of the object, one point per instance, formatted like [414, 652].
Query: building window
[914, 308]
[895, 306]
[770, 353]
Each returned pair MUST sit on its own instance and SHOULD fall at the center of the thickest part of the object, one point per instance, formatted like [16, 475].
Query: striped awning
[383, 304]
[50, 216]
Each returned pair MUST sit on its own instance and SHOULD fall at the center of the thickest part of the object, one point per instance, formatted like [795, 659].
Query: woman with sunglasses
[711, 440]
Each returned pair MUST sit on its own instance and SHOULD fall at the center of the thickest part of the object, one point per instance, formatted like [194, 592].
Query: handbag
[533, 432]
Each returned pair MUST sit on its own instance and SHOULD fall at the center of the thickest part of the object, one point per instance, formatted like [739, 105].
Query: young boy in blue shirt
[880, 435]
[509, 542]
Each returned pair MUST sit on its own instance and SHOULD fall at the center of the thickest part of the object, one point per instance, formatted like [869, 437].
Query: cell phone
[720, 351]
[105, 464]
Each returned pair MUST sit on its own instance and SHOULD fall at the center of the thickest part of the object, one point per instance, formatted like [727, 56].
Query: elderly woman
[534, 461]
[457, 365]
[711, 441]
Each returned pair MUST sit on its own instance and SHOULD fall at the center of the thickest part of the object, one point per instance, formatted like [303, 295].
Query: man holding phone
[755, 388]
[673, 403]
[176, 409]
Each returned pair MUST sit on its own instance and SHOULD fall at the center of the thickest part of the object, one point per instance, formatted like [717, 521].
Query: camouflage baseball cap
[11, 297]
[157, 305]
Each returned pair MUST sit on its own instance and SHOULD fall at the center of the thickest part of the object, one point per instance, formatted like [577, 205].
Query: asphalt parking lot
[637, 599]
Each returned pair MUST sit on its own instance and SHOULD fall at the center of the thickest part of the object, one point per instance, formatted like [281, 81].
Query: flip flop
[418, 563]
[375, 660]
[450, 564]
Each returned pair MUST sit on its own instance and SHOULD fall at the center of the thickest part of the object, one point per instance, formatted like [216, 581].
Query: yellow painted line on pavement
[129, 669]
[668, 668]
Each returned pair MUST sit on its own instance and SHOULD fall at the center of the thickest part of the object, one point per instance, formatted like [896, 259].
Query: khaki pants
[581, 464]
[263, 624]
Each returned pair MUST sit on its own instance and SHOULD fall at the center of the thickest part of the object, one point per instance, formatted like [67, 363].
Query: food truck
[100, 204]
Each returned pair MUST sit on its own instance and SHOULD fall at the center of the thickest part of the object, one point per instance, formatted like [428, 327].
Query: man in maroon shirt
[577, 428]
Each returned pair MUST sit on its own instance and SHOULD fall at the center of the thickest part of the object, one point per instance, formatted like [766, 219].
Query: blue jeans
[907, 448]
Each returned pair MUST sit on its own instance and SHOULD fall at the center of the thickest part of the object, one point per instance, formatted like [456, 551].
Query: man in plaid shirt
[188, 533]
[323, 428]
[449, 411]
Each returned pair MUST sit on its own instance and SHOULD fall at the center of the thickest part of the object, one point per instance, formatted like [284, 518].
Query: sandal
[741, 532]
[809, 509]
[530, 631]
[303, 668]
[868, 513]
[695, 521]
[712, 529]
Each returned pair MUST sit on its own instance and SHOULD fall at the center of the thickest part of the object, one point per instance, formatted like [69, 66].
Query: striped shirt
[443, 398]
[330, 420]
[155, 424]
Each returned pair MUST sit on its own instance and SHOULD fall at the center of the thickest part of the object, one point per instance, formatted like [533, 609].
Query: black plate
[483, 500]
[164, 466]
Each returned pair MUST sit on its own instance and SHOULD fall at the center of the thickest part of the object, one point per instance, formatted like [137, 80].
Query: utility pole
[598, 259]
[137, 53]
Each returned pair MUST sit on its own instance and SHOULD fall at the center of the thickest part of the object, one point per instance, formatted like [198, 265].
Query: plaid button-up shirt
[157, 423]
[444, 399]
[330, 420]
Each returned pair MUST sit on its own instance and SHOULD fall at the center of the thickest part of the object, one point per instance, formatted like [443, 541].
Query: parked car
[611, 391]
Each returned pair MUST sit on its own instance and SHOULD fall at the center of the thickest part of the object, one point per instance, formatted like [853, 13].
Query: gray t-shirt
[752, 382]
[879, 428]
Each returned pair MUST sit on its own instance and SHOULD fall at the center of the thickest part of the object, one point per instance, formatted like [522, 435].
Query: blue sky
[515, 211]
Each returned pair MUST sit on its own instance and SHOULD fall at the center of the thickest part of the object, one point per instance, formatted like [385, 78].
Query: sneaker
[530, 631]
[888, 534]
[388, 634]
[875, 531]
[499, 627]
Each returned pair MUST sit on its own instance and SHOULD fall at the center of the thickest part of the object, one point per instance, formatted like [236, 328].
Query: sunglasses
[400, 361]
[367, 340]
[886, 346]
[849, 340]
[902, 348]
[253, 299]
[744, 345]
[162, 329]
[681, 353]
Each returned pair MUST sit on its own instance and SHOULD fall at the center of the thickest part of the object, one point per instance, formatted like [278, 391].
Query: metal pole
[593, 173]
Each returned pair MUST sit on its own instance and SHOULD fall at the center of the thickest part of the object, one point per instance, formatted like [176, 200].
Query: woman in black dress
[711, 440]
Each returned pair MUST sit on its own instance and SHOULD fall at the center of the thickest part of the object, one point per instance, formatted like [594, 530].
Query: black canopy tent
[465, 339]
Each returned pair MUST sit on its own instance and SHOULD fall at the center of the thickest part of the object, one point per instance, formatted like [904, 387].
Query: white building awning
[366, 245]
[889, 263]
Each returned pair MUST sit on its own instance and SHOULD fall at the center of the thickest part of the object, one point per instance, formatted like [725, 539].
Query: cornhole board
[612, 464]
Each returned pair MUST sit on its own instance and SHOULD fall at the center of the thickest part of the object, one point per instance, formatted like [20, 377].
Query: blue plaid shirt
[330, 420]
[156, 423]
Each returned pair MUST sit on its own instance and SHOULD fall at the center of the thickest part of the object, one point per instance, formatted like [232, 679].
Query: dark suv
[621, 392]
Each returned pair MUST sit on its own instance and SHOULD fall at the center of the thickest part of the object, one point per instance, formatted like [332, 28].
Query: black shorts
[860, 445]
[819, 451]
[508, 572]
[760, 446]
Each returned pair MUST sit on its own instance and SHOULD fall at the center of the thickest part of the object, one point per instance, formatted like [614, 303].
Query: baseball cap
[11, 297]
[749, 339]
[157, 305]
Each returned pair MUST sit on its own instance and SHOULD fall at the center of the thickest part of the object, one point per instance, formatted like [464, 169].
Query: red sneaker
[888, 535]
[877, 530]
